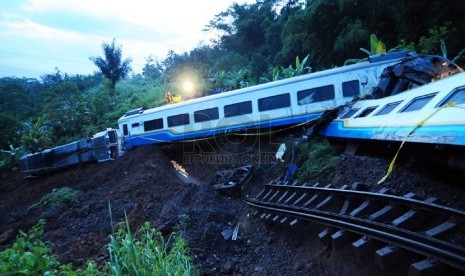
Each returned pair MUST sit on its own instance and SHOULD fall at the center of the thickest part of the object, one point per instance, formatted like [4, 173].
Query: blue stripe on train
[442, 134]
[168, 136]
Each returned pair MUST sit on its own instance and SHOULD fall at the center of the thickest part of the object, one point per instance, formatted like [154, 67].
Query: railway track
[420, 233]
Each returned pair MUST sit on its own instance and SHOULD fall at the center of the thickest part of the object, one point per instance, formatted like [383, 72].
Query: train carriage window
[418, 103]
[153, 124]
[206, 115]
[112, 138]
[366, 112]
[178, 120]
[350, 88]
[237, 109]
[388, 108]
[125, 130]
[457, 97]
[350, 113]
[314, 95]
[274, 102]
[135, 125]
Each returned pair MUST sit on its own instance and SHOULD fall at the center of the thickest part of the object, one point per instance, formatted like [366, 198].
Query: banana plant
[301, 68]
[444, 51]
[239, 79]
[11, 160]
[218, 79]
[376, 47]
[36, 137]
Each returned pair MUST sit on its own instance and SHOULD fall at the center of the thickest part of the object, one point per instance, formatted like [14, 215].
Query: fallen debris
[231, 233]
[232, 180]
[280, 153]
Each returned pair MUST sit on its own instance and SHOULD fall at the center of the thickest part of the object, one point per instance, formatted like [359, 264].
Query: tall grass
[147, 253]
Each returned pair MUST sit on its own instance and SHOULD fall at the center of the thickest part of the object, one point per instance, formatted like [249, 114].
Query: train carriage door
[125, 130]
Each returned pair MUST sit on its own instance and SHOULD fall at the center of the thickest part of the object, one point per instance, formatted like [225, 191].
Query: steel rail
[418, 204]
[415, 241]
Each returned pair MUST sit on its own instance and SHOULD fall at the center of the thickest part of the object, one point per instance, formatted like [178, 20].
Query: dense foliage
[255, 43]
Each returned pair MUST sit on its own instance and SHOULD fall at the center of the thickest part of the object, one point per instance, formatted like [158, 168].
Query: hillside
[146, 186]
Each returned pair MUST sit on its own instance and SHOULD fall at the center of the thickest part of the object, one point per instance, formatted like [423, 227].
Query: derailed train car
[420, 100]
[103, 146]
[421, 103]
[275, 104]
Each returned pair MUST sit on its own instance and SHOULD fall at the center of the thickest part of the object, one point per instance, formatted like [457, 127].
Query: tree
[13, 97]
[67, 110]
[112, 66]
[152, 70]
[11, 128]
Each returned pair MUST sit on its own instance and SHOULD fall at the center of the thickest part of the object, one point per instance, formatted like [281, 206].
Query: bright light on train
[188, 87]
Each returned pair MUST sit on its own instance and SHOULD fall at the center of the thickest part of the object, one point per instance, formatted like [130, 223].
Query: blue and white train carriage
[433, 113]
[285, 102]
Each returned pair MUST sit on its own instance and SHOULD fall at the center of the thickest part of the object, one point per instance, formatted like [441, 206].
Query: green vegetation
[147, 253]
[30, 256]
[58, 196]
[305, 161]
[315, 158]
[9, 159]
[144, 253]
[257, 43]
[35, 136]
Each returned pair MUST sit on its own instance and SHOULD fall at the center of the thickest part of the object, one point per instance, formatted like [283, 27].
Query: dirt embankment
[146, 186]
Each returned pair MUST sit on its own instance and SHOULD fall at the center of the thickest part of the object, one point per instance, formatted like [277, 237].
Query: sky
[37, 36]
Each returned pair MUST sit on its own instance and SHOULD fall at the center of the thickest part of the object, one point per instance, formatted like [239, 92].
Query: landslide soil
[146, 186]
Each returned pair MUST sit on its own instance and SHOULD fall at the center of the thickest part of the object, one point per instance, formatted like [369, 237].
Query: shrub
[315, 159]
[9, 159]
[30, 256]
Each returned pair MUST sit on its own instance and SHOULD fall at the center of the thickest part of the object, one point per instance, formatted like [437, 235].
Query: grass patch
[58, 196]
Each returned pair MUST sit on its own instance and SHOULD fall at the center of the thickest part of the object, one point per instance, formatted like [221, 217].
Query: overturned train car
[103, 146]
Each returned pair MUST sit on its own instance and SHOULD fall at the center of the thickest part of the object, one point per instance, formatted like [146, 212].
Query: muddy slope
[146, 186]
